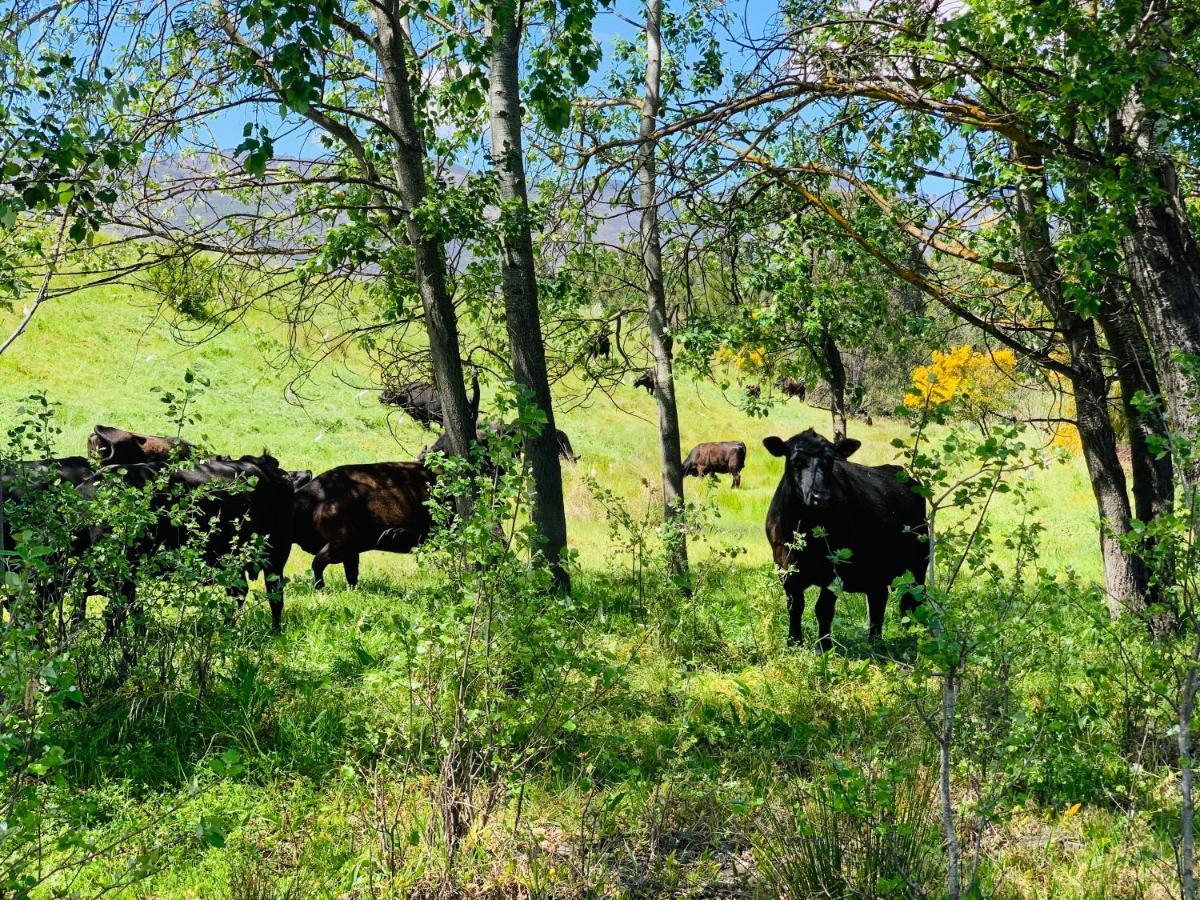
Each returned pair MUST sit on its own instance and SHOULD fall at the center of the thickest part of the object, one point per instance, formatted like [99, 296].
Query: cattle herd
[830, 521]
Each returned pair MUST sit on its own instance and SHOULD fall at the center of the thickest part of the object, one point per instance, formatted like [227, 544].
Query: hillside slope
[99, 353]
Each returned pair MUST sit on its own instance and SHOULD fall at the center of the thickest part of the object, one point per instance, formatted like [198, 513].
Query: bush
[975, 385]
[70, 683]
[863, 827]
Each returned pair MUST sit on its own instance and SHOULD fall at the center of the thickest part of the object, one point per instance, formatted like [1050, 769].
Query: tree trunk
[1153, 478]
[1162, 254]
[1164, 263]
[1124, 575]
[518, 280]
[945, 750]
[657, 318]
[1187, 808]
[441, 320]
[1153, 474]
[835, 377]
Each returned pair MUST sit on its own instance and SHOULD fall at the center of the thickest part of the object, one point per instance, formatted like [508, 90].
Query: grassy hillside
[99, 354]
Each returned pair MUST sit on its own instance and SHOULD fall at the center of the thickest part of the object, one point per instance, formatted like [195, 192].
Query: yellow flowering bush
[747, 359]
[979, 383]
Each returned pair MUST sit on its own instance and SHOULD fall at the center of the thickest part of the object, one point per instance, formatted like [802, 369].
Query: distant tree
[814, 296]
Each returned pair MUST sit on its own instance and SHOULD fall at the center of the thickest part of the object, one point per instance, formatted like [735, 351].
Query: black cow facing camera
[825, 504]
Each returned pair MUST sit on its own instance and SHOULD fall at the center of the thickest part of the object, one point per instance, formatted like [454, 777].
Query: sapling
[961, 473]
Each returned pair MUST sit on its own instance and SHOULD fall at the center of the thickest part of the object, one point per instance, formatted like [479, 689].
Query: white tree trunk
[670, 450]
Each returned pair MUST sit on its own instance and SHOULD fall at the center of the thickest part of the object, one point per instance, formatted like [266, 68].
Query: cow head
[808, 464]
[299, 478]
[395, 396]
[115, 446]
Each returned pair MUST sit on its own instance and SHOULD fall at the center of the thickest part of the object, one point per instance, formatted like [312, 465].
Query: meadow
[685, 776]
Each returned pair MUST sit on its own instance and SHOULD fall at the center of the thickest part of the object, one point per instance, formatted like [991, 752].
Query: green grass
[657, 791]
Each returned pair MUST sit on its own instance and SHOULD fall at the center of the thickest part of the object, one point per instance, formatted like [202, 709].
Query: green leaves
[258, 150]
[559, 66]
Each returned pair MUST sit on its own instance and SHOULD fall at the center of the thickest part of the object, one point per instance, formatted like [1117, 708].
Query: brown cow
[352, 509]
[717, 456]
[791, 387]
[117, 447]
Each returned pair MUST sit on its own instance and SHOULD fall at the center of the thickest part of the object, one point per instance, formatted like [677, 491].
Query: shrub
[973, 385]
[863, 827]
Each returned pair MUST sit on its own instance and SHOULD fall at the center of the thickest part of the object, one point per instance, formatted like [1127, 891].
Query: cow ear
[775, 446]
[846, 447]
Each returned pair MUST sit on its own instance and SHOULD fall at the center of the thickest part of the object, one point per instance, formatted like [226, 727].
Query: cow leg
[737, 478]
[274, 582]
[123, 605]
[794, 588]
[237, 592]
[319, 564]
[825, 604]
[350, 564]
[876, 605]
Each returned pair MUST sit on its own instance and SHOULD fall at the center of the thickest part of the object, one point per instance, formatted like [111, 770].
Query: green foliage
[63, 148]
[687, 716]
[70, 679]
[861, 827]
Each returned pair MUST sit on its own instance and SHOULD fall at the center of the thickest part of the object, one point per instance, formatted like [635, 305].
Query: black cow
[825, 505]
[710, 458]
[117, 447]
[420, 400]
[259, 506]
[17, 481]
[599, 345]
[69, 469]
[647, 379]
[442, 444]
[299, 478]
[20, 483]
[349, 510]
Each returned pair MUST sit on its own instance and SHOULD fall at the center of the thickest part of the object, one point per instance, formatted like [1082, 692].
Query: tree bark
[1124, 575]
[1153, 474]
[1161, 252]
[1153, 478]
[657, 318]
[518, 279]
[1164, 264]
[441, 320]
[835, 377]
[1187, 807]
[945, 750]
